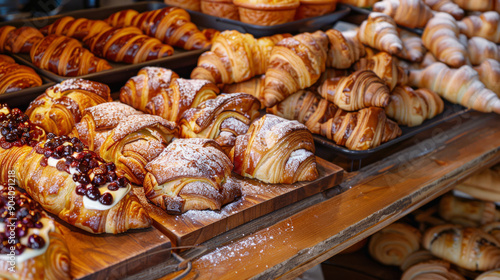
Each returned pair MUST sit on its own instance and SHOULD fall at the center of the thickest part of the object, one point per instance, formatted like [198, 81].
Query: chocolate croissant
[221, 119]
[486, 25]
[345, 48]
[295, 63]
[359, 90]
[62, 105]
[467, 212]
[126, 44]
[18, 40]
[149, 82]
[14, 77]
[182, 94]
[409, 13]
[468, 247]
[38, 250]
[75, 28]
[275, 150]
[190, 174]
[379, 31]
[65, 56]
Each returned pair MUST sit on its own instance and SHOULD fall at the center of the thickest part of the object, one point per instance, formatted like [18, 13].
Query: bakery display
[409, 13]
[487, 26]
[75, 28]
[40, 251]
[380, 32]
[15, 77]
[18, 40]
[265, 12]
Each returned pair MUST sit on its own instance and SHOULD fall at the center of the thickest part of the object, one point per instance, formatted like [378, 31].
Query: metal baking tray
[298, 26]
[450, 112]
[120, 72]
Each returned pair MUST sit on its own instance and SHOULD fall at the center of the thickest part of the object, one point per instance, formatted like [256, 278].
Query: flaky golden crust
[345, 48]
[16, 77]
[447, 6]
[275, 150]
[265, 12]
[413, 47]
[489, 74]
[482, 185]
[122, 18]
[467, 212]
[18, 40]
[224, 9]
[74, 28]
[479, 5]
[385, 66]
[489, 275]
[379, 31]
[480, 49]
[487, 26]
[409, 13]
[254, 86]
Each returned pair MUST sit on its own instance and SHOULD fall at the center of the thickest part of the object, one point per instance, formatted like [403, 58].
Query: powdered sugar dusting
[275, 128]
[188, 89]
[157, 77]
[136, 122]
[296, 158]
[110, 114]
[73, 84]
[234, 125]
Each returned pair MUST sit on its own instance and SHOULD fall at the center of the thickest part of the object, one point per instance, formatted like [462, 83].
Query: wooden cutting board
[258, 199]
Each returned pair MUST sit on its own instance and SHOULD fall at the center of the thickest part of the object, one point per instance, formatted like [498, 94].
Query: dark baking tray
[303, 25]
[121, 72]
[367, 11]
[450, 112]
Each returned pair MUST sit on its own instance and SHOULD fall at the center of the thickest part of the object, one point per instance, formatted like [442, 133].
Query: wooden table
[285, 243]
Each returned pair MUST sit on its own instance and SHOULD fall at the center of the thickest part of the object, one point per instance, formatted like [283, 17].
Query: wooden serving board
[258, 199]
[108, 256]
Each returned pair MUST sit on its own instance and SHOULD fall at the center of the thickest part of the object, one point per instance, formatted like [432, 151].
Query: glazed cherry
[106, 199]
[113, 186]
[80, 190]
[93, 193]
[35, 241]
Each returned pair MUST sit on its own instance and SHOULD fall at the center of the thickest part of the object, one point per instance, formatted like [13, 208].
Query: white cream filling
[28, 253]
[117, 196]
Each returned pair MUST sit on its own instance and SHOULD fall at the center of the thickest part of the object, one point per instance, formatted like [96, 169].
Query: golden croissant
[39, 250]
[65, 56]
[275, 150]
[16, 77]
[18, 40]
[345, 48]
[182, 94]
[122, 18]
[440, 37]
[75, 28]
[190, 174]
[62, 105]
[467, 212]
[480, 49]
[432, 269]
[409, 13]
[469, 248]
[489, 74]
[359, 90]
[414, 49]
[411, 107]
[149, 82]
[235, 57]
[487, 26]
[379, 31]
[482, 185]
[385, 66]
[479, 5]
[461, 86]
[446, 6]
[254, 86]
[295, 63]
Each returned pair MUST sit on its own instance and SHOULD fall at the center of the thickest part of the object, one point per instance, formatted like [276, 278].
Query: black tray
[121, 72]
[450, 112]
[367, 11]
[298, 26]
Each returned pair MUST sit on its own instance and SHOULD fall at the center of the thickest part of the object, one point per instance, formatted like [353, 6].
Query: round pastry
[314, 8]
[220, 8]
[267, 12]
[31, 245]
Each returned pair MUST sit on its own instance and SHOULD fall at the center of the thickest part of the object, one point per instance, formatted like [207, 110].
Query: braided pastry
[14, 77]
[275, 150]
[379, 31]
[345, 48]
[65, 56]
[487, 26]
[409, 13]
[467, 212]
[74, 28]
[18, 40]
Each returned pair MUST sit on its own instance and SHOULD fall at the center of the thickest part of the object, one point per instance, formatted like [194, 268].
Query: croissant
[385, 67]
[14, 77]
[460, 86]
[392, 244]
[359, 90]
[413, 47]
[275, 150]
[411, 107]
[416, 257]
[182, 95]
[362, 130]
[18, 40]
[432, 269]
[487, 26]
[480, 49]
[149, 82]
[482, 185]
[489, 275]
[122, 18]
[478, 5]
[492, 229]
[39, 250]
[221, 119]
[489, 74]
[468, 247]
[440, 37]
[295, 63]
[235, 57]
[254, 86]
[305, 107]
[62, 105]
[466, 211]
[359, 3]
[379, 31]
[409, 13]
[74, 28]
[190, 174]
[65, 56]
[126, 44]
[446, 6]
[345, 48]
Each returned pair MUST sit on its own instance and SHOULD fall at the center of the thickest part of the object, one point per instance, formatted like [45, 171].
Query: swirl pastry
[467, 212]
[149, 82]
[75, 28]
[190, 174]
[126, 44]
[411, 107]
[468, 247]
[394, 243]
[345, 48]
[275, 150]
[65, 56]
[235, 57]
[14, 77]
[409, 13]
[295, 63]
[18, 40]
[379, 31]
[38, 250]
[62, 105]
[221, 119]
[487, 26]
[432, 269]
